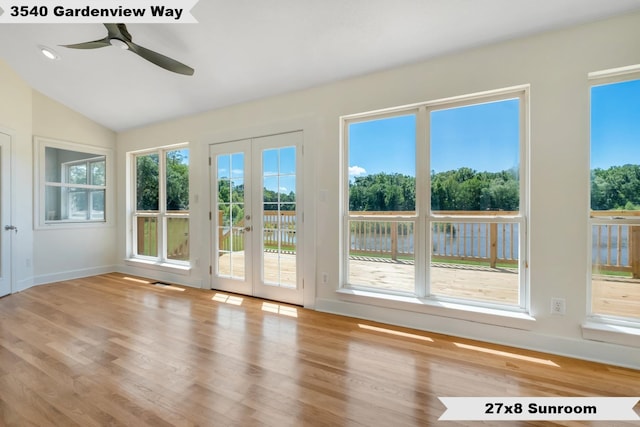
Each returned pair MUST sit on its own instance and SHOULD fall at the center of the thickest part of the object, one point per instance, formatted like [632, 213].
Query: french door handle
[11, 227]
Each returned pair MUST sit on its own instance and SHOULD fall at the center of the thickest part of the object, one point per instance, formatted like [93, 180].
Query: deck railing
[454, 240]
[616, 246]
[279, 232]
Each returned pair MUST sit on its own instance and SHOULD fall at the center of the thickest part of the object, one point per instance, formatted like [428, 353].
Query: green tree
[457, 190]
[615, 188]
[177, 181]
[147, 190]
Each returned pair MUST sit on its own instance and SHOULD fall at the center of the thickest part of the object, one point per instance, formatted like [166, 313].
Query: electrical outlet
[558, 306]
[325, 278]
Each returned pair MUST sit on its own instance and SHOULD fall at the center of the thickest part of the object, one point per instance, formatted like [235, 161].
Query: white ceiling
[248, 49]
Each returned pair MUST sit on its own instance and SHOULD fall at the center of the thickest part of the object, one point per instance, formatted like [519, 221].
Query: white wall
[87, 250]
[42, 256]
[16, 120]
[555, 64]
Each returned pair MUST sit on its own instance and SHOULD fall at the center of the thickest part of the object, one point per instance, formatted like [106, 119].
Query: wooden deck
[616, 296]
[116, 350]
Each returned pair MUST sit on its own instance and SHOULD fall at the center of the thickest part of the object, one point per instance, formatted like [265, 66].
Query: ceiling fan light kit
[48, 52]
[118, 35]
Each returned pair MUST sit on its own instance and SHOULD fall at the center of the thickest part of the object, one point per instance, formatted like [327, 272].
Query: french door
[256, 220]
[7, 229]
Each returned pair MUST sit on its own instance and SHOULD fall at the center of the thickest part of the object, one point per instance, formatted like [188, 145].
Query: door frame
[310, 127]
[7, 195]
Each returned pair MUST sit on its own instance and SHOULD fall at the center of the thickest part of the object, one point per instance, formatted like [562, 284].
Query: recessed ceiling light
[48, 52]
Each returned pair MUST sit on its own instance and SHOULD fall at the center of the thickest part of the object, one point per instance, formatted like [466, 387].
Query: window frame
[162, 214]
[41, 184]
[599, 321]
[424, 216]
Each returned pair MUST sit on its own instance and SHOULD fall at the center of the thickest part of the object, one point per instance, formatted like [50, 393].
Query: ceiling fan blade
[117, 31]
[117, 34]
[90, 45]
[161, 60]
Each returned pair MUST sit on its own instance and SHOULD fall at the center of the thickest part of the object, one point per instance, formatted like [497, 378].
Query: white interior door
[257, 224]
[7, 229]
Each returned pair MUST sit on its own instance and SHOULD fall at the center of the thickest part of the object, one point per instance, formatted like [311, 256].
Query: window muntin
[161, 216]
[74, 188]
[467, 203]
[615, 198]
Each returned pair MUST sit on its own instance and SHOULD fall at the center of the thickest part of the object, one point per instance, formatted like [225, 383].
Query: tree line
[464, 189]
[616, 188]
[461, 189]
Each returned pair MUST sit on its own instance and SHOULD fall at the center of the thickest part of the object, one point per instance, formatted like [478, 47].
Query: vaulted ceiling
[245, 49]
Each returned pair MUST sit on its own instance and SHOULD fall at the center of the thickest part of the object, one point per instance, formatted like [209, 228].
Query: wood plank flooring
[114, 350]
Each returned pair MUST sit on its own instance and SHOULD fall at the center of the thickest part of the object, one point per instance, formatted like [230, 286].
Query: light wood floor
[116, 350]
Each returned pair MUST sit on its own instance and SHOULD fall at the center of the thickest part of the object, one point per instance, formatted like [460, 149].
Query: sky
[484, 137]
[615, 124]
[278, 168]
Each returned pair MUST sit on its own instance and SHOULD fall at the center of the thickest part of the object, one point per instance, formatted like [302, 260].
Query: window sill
[184, 270]
[614, 334]
[487, 315]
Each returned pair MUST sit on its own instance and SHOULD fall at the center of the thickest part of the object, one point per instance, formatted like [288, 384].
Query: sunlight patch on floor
[280, 309]
[394, 332]
[227, 299]
[507, 354]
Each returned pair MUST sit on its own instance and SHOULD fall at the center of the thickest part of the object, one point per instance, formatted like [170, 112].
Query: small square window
[72, 183]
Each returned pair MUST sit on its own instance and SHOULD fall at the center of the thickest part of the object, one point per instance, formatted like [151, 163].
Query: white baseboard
[160, 275]
[595, 351]
[69, 275]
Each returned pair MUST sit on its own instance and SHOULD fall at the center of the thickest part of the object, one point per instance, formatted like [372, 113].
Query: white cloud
[356, 171]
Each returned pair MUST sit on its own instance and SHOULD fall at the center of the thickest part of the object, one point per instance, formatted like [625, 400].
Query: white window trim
[39, 213]
[465, 309]
[599, 327]
[161, 263]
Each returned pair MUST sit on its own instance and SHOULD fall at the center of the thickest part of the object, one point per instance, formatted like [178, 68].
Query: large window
[161, 215]
[615, 197]
[72, 183]
[435, 201]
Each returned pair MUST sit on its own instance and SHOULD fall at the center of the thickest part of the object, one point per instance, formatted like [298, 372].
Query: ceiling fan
[119, 36]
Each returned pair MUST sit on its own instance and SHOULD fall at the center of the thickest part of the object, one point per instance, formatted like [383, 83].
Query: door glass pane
[231, 216]
[279, 219]
[178, 239]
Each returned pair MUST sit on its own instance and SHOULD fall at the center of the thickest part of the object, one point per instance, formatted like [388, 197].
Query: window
[161, 214]
[72, 183]
[436, 200]
[615, 198]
